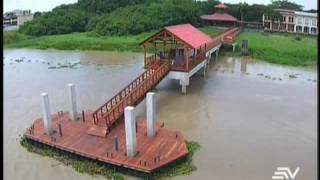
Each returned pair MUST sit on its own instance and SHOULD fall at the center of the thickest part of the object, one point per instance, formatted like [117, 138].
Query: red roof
[189, 34]
[221, 6]
[219, 17]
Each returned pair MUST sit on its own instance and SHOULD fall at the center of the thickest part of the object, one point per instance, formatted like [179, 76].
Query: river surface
[249, 116]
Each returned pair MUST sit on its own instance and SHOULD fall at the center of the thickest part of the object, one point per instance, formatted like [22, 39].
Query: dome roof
[221, 6]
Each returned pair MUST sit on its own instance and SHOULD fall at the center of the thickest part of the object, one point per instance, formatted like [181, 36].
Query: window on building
[290, 19]
[306, 21]
[299, 20]
[314, 22]
[284, 18]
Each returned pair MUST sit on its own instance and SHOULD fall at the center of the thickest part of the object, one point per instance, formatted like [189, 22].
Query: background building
[292, 21]
[12, 20]
[220, 17]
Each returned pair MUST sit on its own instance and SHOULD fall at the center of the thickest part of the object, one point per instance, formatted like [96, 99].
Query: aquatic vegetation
[71, 65]
[267, 76]
[292, 76]
[18, 60]
[84, 165]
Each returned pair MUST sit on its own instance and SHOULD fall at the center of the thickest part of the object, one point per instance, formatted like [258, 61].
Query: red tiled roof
[219, 17]
[189, 34]
[222, 6]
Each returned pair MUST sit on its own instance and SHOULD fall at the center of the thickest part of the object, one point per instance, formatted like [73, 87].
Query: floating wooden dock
[153, 153]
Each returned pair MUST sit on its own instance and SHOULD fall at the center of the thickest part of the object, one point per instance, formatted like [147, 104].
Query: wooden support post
[164, 44]
[155, 51]
[145, 56]
[187, 60]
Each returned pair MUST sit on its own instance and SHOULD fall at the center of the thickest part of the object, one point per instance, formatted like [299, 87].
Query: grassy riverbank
[286, 49]
[296, 50]
[92, 167]
[75, 41]
[84, 41]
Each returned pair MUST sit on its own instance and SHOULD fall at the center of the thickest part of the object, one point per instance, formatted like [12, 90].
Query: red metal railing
[112, 110]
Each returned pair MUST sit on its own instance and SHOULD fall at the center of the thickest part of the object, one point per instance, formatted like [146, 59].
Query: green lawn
[83, 41]
[77, 41]
[212, 30]
[276, 48]
[281, 48]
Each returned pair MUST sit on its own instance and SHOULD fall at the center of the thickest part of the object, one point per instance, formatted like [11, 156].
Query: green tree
[243, 9]
[285, 4]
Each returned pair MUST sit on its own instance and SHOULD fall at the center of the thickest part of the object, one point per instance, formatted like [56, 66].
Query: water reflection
[244, 62]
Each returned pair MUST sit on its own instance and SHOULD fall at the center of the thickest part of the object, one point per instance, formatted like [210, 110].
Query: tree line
[122, 17]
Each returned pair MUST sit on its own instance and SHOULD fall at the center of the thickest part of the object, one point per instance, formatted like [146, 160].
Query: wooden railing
[150, 59]
[197, 60]
[113, 109]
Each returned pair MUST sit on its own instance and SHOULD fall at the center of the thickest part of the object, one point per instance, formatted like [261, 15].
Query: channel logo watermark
[285, 173]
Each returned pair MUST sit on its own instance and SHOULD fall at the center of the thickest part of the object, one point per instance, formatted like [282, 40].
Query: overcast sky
[47, 5]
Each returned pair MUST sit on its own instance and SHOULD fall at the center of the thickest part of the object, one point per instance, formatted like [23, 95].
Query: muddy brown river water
[249, 116]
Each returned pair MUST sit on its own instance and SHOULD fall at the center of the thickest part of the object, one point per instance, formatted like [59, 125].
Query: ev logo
[285, 173]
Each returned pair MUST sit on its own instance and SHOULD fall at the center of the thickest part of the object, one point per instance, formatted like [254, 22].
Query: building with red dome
[220, 17]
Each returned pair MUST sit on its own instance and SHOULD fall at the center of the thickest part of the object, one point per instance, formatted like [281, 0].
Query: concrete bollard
[116, 143]
[60, 130]
[73, 114]
[151, 114]
[46, 113]
[83, 116]
[130, 129]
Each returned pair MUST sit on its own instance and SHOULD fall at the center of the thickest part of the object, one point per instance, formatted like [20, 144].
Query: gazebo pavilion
[220, 17]
[184, 45]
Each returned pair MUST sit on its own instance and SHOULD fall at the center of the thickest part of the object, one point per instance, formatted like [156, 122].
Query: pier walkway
[106, 116]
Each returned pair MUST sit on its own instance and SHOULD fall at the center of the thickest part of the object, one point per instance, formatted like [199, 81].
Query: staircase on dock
[106, 116]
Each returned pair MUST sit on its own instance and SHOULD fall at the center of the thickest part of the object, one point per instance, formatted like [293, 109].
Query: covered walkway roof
[185, 33]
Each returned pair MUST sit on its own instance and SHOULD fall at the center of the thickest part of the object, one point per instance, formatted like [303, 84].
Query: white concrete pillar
[184, 82]
[151, 114]
[130, 128]
[309, 30]
[73, 114]
[46, 113]
[184, 89]
[234, 47]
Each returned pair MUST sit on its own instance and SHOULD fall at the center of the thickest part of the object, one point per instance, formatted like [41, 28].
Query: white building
[14, 19]
[293, 22]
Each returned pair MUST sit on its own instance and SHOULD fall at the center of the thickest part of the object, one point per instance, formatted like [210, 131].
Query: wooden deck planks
[75, 138]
